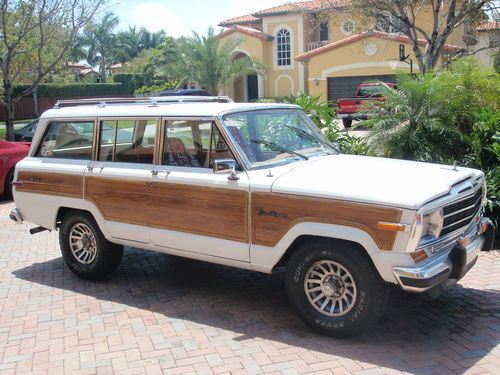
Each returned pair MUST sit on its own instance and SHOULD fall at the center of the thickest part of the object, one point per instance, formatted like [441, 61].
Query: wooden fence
[25, 108]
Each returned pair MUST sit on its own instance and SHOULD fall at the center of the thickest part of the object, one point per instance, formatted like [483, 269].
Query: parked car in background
[26, 133]
[185, 92]
[10, 154]
[349, 108]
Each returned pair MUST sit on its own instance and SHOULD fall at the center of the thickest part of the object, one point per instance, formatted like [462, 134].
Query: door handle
[156, 173]
[91, 168]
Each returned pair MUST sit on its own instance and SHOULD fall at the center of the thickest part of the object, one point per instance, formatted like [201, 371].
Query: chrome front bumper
[449, 265]
[16, 216]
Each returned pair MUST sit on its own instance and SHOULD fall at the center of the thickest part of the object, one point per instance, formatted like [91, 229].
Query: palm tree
[129, 43]
[99, 42]
[133, 41]
[412, 122]
[210, 63]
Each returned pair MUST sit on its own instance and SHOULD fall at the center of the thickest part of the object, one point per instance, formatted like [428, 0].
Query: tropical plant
[317, 110]
[133, 41]
[98, 43]
[210, 63]
[410, 123]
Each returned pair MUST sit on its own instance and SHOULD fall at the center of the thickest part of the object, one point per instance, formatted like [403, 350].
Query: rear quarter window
[67, 140]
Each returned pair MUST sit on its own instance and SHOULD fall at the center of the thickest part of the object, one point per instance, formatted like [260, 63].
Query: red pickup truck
[348, 108]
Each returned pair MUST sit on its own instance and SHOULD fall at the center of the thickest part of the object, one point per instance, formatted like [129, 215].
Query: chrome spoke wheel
[330, 288]
[82, 243]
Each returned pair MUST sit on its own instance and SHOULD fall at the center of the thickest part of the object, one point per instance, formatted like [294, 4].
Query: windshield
[276, 136]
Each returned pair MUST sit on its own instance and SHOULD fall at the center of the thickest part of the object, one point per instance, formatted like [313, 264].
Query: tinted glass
[127, 141]
[68, 140]
[193, 144]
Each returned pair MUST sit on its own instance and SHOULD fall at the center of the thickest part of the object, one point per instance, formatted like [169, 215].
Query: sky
[179, 17]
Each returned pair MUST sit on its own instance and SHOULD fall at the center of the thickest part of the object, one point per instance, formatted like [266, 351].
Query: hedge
[76, 89]
[130, 81]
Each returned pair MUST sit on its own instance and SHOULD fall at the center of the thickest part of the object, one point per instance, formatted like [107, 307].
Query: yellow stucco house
[317, 47]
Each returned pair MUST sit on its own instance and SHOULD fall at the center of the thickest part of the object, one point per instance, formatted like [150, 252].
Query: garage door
[345, 87]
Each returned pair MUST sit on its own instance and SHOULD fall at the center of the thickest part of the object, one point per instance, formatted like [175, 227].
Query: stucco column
[260, 84]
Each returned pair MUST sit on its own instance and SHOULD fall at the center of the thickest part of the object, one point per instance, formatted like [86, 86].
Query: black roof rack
[152, 101]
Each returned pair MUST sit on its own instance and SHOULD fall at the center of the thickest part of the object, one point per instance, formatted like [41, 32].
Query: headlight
[426, 229]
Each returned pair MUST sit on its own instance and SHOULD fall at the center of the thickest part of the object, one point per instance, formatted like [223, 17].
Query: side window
[193, 144]
[127, 141]
[67, 140]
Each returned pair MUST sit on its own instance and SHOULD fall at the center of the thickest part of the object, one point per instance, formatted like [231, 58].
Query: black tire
[7, 189]
[360, 311]
[347, 122]
[104, 256]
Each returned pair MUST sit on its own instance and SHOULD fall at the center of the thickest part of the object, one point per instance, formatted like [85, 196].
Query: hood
[388, 182]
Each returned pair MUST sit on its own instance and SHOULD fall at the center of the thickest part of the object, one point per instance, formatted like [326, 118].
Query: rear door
[191, 208]
[116, 180]
[53, 175]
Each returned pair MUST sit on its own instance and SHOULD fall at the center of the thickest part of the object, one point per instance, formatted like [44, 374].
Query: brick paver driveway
[163, 314]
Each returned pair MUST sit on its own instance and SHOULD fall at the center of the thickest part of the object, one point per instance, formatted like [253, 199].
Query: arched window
[284, 48]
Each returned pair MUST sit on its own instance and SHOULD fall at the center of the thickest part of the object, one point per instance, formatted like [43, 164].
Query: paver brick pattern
[162, 314]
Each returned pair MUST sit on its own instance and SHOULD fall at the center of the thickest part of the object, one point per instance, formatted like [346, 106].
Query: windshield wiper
[278, 148]
[311, 137]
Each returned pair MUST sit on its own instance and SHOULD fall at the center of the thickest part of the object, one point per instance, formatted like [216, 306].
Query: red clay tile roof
[247, 31]
[357, 37]
[489, 25]
[289, 7]
[303, 6]
[248, 19]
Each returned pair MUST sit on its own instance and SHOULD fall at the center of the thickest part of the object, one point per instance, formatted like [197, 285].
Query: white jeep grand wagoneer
[254, 186]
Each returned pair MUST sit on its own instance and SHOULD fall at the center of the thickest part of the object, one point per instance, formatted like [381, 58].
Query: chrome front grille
[459, 214]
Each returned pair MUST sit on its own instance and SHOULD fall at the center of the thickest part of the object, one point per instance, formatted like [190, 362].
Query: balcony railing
[313, 45]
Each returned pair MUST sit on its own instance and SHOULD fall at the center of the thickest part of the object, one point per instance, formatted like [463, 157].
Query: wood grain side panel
[119, 200]
[215, 212]
[273, 215]
[45, 183]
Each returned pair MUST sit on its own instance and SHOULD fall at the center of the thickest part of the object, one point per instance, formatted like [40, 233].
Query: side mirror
[226, 166]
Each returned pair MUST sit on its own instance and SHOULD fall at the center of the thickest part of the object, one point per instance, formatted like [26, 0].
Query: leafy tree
[210, 63]
[447, 16]
[35, 37]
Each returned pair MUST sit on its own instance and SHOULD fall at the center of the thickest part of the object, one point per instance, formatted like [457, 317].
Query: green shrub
[154, 89]
[130, 81]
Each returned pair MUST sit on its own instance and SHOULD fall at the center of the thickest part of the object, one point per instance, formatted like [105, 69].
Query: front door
[252, 87]
[191, 208]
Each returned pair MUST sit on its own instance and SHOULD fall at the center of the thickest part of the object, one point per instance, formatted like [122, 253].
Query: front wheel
[85, 250]
[334, 288]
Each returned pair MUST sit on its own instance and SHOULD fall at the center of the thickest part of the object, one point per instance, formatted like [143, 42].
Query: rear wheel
[334, 288]
[347, 122]
[85, 250]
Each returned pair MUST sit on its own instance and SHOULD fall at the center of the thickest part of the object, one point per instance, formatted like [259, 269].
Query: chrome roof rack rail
[153, 101]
